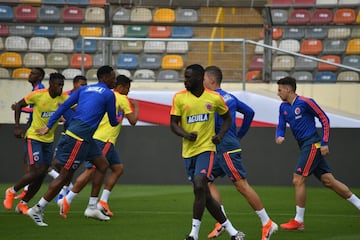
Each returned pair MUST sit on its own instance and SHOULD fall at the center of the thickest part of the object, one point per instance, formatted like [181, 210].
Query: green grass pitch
[164, 212]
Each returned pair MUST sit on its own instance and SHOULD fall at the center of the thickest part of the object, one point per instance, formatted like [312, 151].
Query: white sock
[70, 196]
[70, 186]
[105, 195]
[299, 214]
[354, 200]
[264, 217]
[93, 201]
[195, 228]
[23, 202]
[229, 228]
[26, 188]
[13, 190]
[223, 209]
[42, 203]
[53, 173]
[63, 191]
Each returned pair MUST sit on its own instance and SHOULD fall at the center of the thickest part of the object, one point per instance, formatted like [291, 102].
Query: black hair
[77, 78]
[197, 69]
[122, 80]
[54, 76]
[103, 71]
[215, 72]
[289, 81]
[41, 71]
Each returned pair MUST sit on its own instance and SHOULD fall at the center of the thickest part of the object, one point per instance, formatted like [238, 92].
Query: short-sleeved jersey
[198, 115]
[43, 108]
[105, 132]
[29, 108]
[301, 117]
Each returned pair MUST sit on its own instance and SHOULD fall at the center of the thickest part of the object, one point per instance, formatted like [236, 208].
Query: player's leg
[340, 188]
[80, 183]
[92, 211]
[116, 171]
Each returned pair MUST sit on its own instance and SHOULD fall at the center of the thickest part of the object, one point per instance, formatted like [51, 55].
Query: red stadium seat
[344, 16]
[299, 17]
[311, 47]
[160, 31]
[321, 16]
[77, 59]
[328, 67]
[73, 14]
[25, 13]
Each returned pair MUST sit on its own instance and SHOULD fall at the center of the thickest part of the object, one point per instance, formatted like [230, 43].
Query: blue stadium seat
[182, 32]
[325, 77]
[6, 13]
[44, 31]
[90, 46]
[127, 61]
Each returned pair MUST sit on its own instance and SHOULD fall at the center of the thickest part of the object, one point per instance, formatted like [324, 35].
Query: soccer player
[39, 149]
[78, 81]
[299, 113]
[35, 79]
[77, 144]
[193, 118]
[105, 137]
[228, 159]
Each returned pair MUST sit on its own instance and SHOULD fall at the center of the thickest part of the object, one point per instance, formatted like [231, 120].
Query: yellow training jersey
[44, 107]
[198, 115]
[105, 132]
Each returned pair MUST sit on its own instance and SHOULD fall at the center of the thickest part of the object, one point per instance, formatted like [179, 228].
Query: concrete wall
[152, 155]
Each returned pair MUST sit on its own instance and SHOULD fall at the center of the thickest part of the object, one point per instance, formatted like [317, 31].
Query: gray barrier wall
[152, 155]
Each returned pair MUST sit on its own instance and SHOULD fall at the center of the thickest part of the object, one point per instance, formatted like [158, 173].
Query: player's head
[212, 77]
[36, 75]
[286, 88]
[106, 74]
[123, 84]
[56, 84]
[194, 77]
[79, 81]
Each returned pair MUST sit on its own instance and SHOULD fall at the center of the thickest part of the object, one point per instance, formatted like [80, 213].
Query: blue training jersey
[235, 105]
[92, 103]
[301, 118]
[230, 141]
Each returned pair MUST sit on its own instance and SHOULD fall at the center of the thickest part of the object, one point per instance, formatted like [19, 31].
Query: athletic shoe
[293, 225]
[94, 212]
[189, 238]
[104, 208]
[218, 230]
[269, 229]
[64, 207]
[9, 199]
[21, 195]
[238, 236]
[37, 216]
[21, 208]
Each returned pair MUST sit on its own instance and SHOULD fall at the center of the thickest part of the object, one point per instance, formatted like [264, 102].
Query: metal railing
[243, 42]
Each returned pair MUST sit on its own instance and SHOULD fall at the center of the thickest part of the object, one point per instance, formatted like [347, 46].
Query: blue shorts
[230, 164]
[38, 152]
[200, 164]
[109, 151]
[311, 162]
[71, 152]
